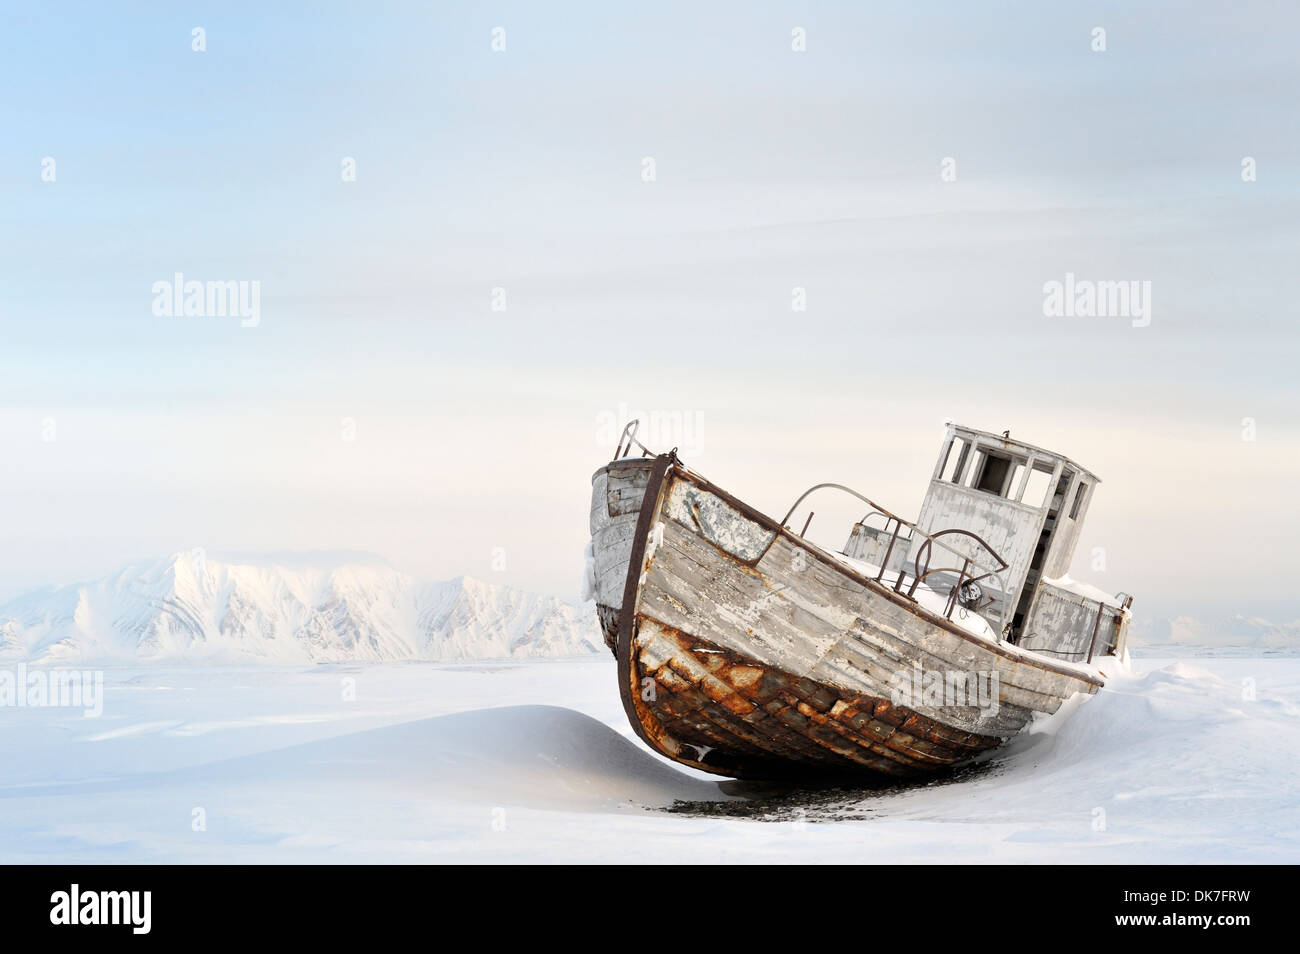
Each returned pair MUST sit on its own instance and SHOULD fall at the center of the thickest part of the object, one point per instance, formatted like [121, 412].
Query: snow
[533, 760]
[932, 600]
[1086, 590]
[653, 542]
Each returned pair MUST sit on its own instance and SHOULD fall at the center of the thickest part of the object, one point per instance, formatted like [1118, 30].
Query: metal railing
[966, 591]
[629, 437]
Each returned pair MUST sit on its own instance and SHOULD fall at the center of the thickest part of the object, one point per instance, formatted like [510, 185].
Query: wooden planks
[759, 656]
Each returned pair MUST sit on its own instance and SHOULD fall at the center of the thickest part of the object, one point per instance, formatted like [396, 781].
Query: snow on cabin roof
[1016, 446]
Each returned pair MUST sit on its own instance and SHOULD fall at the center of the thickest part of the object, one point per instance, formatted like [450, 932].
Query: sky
[443, 340]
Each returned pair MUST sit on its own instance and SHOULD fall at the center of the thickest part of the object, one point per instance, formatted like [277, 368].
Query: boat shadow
[822, 799]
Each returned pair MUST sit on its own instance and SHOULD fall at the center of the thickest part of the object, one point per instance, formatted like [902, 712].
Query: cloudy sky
[386, 401]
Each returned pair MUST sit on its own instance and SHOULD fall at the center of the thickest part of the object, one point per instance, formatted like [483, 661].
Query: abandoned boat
[746, 650]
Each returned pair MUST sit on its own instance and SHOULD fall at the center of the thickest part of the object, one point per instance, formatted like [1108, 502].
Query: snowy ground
[533, 761]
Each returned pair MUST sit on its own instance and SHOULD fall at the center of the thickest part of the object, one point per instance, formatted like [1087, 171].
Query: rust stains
[719, 711]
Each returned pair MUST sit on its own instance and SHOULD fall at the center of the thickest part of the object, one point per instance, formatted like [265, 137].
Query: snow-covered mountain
[193, 606]
[1230, 632]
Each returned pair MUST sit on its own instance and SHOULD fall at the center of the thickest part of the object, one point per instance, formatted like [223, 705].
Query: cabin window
[1078, 500]
[956, 459]
[993, 473]
[947, 459]
[1017, 475]
[1040, 482]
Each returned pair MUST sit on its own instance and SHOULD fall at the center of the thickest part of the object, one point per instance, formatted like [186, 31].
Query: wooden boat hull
[746, 651]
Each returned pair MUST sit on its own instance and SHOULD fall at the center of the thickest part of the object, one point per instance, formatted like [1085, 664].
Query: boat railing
[628, 438]
[969, 571]
[965, 592]
[888, 520]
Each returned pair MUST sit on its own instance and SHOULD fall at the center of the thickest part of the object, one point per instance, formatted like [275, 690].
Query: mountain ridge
[1235, 631]
[194, 606]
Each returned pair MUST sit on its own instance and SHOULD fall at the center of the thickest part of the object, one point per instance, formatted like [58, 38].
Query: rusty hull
[716, 710]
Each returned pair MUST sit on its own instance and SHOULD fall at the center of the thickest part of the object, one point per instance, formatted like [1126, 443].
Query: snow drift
[535, 755]
[1177, 764]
